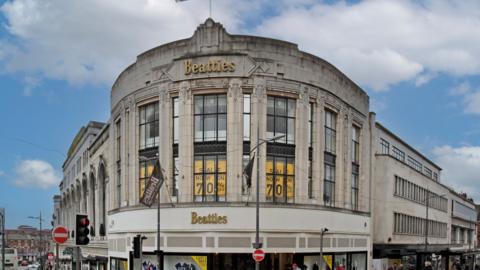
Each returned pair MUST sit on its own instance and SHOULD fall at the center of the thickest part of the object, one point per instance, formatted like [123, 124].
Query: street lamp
[322, 232]
[41, 241]
[257, 243]
[158, 251]
[427, 200]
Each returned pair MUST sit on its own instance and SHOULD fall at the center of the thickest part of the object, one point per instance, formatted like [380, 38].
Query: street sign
[60, 234]
[258, 255]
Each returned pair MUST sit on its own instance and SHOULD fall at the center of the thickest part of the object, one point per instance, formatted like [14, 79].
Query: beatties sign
[210, 219]
[209, 67]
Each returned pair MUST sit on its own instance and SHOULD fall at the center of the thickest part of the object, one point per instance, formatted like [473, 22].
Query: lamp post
[159, 252]
[322, 232]
[41, 240]
[2, 214]
[257, 243]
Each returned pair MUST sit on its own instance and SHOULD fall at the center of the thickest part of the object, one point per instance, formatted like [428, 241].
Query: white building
[202, 105]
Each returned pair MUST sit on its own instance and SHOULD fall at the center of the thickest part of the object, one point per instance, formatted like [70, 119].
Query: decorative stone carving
[185, 91]
[234, 89]
[259, 90]
[130, 102]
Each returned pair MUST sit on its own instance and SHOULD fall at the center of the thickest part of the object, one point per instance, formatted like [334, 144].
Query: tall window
[329, 158]
[280, 181]
[210, 118]
[329, 185]
[175, 121]
[146, 169]
[148, 126]
[281, 119]
[118, 158]
[330, 131]
[310, 150]
[247, 105]
[210, 162]
[280, 166]
[148, 148]
[210, 179]
[246, 117]
[355, 165]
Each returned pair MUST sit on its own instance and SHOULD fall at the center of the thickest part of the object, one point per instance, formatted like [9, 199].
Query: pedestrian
[428, 265]
[341, 267]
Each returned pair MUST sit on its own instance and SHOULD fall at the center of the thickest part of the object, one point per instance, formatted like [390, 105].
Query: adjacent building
[29, 242]
[204, 107]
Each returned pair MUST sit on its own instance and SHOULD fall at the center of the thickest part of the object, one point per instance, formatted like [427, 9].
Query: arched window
[102, 199]
[92, 202]
[84, 193]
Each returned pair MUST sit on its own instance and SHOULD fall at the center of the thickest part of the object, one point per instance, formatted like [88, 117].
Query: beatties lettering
[210, 219]
[210, 66]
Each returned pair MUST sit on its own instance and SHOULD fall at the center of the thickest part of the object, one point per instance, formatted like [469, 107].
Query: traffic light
[81, 231]
[136, 246]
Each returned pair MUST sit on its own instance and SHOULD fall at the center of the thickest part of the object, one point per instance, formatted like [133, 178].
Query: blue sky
[418, 61]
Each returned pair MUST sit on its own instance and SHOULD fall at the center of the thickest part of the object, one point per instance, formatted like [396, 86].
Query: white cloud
[470, 102]
[461, 168]
[376, 43]
[35, 174]
[29, 84]
[386, 41]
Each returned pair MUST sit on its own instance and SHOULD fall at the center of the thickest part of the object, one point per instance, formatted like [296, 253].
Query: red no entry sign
[60, 235]
[258, 255]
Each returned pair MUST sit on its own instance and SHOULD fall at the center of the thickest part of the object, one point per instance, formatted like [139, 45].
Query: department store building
[202, 105]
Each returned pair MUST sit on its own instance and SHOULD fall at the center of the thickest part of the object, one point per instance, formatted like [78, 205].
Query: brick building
[26, 240]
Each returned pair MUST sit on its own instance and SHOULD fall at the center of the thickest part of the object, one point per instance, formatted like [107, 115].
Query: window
[355, 188]
[410, 225]
[355, 144]
[148, 125]
[118, 160]
[246, 116]
[435, 176]
[398, 154]
[210, 118]
[146, 169]
[418, 194]
[310, 125]
[384, 147]
[414, 164]
[280, 181]
[329, 185]
[310, 150]
[175, 121]
[355, 165]
[210, 179]
[330, 131]
[281, 119]
[427, 172]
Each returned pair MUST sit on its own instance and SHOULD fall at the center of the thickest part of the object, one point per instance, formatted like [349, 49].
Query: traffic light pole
[78, 264]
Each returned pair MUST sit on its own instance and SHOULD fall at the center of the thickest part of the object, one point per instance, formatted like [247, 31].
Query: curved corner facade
[202, 105]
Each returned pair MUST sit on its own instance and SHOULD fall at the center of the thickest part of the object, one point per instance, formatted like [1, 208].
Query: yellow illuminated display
[290, 187]
[290, 168]
[210, 184]
[279, 186]
[210, 166]
[221, 185]
[269, 186]
[280, 167]
[222, 165]
[269, 166]
[210, 176]
[198, 166]
[198, 185]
